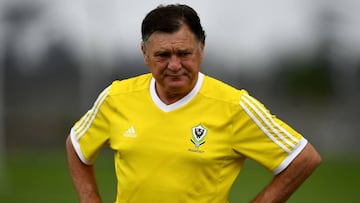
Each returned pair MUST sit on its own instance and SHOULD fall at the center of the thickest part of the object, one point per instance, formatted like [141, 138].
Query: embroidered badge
[198, 137]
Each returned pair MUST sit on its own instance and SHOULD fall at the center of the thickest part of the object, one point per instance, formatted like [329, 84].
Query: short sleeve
[263, 137]
[90, 133]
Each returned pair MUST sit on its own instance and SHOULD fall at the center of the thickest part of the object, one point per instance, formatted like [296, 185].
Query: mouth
[175, 74]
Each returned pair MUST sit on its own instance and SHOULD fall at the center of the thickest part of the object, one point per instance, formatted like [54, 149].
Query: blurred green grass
[42, 177]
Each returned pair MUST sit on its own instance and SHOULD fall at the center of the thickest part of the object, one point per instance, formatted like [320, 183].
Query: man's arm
[285, 183]
[83, 176]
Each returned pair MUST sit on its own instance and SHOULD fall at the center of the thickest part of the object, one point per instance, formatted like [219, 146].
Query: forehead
[183, 38]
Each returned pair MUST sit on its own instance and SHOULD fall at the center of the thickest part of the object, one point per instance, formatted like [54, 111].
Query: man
[179, 135]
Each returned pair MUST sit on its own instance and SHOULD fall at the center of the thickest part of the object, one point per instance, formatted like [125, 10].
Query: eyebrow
[162, 52]
[186, 50]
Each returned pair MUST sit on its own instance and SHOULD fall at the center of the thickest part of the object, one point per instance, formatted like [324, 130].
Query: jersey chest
[190, 131]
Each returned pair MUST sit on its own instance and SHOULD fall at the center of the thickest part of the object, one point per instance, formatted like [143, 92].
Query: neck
[170, 97]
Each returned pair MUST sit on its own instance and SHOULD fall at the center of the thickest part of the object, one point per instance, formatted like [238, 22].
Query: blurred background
[301, 58]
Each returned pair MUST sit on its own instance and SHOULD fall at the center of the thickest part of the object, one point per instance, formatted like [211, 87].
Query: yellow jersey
[189, 151]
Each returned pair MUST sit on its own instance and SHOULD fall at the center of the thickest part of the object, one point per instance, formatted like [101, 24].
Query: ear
[202, 49]
[144, 52]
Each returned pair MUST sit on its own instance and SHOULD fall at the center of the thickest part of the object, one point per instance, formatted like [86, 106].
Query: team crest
[198, 135]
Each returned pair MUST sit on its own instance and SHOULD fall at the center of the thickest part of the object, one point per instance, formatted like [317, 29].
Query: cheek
[191, 65]
[157, 67]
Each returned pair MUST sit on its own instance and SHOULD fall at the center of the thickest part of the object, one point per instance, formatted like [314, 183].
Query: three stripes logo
[130, 132]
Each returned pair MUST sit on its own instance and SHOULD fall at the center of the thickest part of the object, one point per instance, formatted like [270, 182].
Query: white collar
[166, 108]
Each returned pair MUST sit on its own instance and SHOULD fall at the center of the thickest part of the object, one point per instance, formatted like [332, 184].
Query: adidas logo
[130, 132]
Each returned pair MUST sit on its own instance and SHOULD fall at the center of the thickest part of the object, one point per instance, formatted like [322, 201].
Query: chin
[178, 82]
[177, 87]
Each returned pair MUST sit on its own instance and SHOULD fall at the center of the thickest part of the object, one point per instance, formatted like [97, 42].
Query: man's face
[174, 60]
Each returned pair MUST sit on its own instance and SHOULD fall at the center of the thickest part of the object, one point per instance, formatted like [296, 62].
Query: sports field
[42, 177]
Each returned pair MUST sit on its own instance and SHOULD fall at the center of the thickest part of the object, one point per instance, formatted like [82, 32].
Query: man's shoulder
[217, 89]
[132, 84]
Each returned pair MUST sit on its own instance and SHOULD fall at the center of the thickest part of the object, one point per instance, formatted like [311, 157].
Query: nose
[174, 63]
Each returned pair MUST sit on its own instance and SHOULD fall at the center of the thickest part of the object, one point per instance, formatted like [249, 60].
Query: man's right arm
[82, 175]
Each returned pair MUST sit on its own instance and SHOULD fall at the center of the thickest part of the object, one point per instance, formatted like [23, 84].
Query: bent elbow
[314, 158]
[317, 160]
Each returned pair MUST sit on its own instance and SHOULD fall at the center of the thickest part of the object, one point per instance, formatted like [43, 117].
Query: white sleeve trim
[76, 145]
[291, 157]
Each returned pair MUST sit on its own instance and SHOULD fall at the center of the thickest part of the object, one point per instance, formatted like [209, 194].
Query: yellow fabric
[189, 154]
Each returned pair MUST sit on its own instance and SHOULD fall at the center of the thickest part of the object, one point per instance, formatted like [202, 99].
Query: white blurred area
[238, 32]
